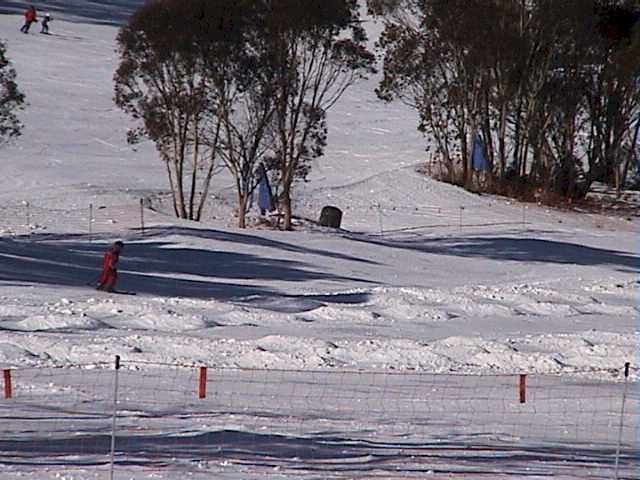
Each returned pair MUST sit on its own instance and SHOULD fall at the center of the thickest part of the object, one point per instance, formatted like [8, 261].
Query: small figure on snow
[45, 24]
[30, 16]
[109, 275]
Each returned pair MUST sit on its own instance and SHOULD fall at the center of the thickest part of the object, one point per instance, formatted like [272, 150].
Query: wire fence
[405, 219]
[142, 419]
[384, 218]
[32, 218]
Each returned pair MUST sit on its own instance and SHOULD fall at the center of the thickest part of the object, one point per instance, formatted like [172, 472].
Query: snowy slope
[425, 279]
[420, 268]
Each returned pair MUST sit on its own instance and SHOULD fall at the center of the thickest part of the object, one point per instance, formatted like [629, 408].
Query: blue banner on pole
[265, 197]
[479, 160]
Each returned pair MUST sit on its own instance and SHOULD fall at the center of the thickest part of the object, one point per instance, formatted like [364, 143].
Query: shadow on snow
[158, 267]
[315, 453]
[251, 240]
[504, 248]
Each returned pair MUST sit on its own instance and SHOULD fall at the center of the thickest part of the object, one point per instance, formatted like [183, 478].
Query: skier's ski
[65, 37]
[117, 292]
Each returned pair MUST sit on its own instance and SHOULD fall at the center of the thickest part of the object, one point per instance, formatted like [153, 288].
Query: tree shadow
[251, 240]
[156, 267]
[103, 12]
[503, 248]
[315, 453]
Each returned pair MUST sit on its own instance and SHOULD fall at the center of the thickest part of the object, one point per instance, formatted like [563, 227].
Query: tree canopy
[11, 99]
[551, 86]
[238, 81]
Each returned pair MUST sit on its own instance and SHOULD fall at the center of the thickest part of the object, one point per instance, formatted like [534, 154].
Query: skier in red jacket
[109, 275]
[30, 17]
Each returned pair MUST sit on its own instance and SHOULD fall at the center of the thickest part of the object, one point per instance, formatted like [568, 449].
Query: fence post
[8, 390]
[202, 385]
[380, 218]
[461, 210]
[90, 221]
[28, 215]
[523, 388]
[142, 216]
[624, 399]
[115, 415]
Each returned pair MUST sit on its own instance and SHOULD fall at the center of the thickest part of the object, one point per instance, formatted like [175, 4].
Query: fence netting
[164, 421]
[38, 218]
[44, 217]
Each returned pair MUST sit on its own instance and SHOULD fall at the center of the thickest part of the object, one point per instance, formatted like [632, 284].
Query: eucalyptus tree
[318, 49]
[11, 99]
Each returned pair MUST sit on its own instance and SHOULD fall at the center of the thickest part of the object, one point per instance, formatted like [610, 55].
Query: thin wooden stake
[90, 221]
[115, 416]
[142, 216]
[621, 428]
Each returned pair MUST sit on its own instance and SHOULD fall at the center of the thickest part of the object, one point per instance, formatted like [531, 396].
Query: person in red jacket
[30, 17]
[109, 275]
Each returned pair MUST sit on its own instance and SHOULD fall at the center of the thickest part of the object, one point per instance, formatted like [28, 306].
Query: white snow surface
[423, 276]
[531, 293]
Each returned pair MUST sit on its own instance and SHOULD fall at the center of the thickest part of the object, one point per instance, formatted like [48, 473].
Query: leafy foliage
[175, 59]
[554, 99]
[319, 48]
[241, 81]
[11, 99]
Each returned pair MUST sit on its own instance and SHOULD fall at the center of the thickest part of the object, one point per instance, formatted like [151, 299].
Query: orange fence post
[523, 388]
[202, 387]
[8, 390]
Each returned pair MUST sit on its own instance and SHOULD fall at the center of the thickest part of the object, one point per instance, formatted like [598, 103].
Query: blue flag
[479, 160]
[265, 197]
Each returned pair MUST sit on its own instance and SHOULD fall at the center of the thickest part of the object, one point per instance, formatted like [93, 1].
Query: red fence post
[8, 390]
[523, 388]
[202, 388]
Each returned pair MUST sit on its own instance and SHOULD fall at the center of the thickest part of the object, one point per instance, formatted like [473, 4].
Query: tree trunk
[525, 155]
[631, 156]
[179, 191]
[206, 185]
[516, 136]
[173, 189]
[242, 210]
[180, 184]
[462, 141]
[194, 177]
[286, 204]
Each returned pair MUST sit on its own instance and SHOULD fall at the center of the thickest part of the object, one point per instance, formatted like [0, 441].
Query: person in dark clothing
[109, 275]
[30, 16]
[45, 24]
